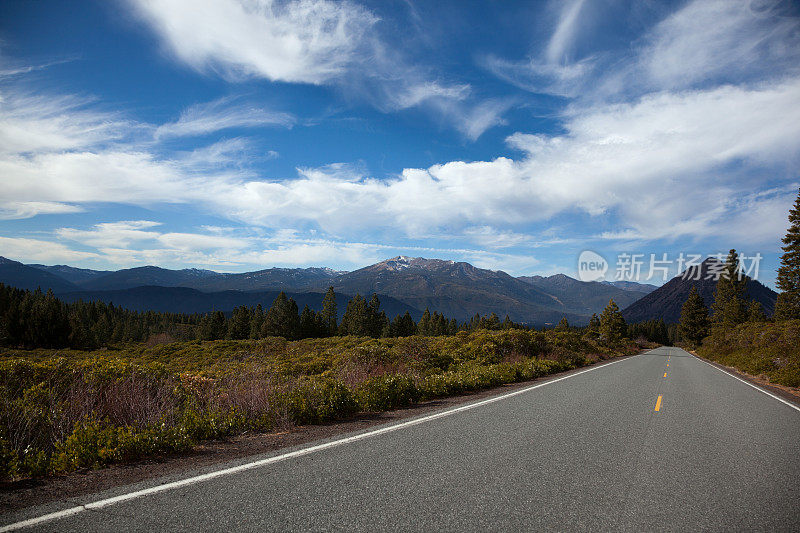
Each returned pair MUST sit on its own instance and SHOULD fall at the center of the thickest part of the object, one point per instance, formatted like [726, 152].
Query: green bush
[386, 392]
[316, 400]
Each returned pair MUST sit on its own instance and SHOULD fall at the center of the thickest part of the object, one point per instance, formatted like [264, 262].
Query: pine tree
[402, 326]
[563, 324]
[694, 322]
[282, 319]
[212, 326]
[755, 312]
[256, 322]
[328, 315]
[423, 328]
[356, 318]
[612, 325]
[376, 319]
[788, 281]
[452, 327]
[310, 324]
[594, 327]
[239, 324]
[729, 307]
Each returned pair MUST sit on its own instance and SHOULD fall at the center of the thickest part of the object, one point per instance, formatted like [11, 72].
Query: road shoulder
[790, 394]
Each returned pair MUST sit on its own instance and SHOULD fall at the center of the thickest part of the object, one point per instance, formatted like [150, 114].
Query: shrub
[316, 400]
[386, 392]
[771, 350]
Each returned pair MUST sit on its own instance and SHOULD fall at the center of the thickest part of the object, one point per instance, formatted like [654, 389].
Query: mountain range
[456, 289]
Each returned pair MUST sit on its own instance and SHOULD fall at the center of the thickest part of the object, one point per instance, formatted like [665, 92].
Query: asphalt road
[587, 452]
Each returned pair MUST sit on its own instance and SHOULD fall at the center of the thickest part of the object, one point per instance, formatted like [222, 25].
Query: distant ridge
[666, 301]
[22, 276]
[186, 300]
[457, 289]
[586, 297]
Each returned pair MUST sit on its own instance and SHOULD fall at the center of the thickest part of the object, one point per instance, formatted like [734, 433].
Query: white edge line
[759, 389]
[283, 457]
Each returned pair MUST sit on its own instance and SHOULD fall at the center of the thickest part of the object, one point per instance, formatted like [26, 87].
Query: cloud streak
[315, 42]
[222, 114]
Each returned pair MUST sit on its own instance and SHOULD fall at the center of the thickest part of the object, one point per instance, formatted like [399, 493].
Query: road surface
[660, 441]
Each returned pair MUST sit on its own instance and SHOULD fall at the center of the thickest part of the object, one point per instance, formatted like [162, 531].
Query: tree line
[34, 319]
[37, 319]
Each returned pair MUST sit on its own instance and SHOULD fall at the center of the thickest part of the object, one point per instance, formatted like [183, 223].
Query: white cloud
[414, 95]
[130, 234]
[658, 162]
[221, 114]
[307, 41]
[702, 44]
[37, 250]
[17, 210]
[552, 70]
[297, 41]
[195, 241]
[564, 34]
[32, 124]
[707, 39]
[112, 234]
[493, 238]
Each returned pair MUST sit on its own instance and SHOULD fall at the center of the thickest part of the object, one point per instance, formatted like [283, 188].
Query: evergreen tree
[612, 325]
[402, 326]
[239, 324]
[311, 325]
[729, 307]
[212, 326]
[755, 312]
[694, 322]
[282, 319]
[452, 328]
[593, 330]
[788, 281]
[423, 328]
[376, 318]
[356, 318]
[328, 315]
[256, 322]
[562, 325]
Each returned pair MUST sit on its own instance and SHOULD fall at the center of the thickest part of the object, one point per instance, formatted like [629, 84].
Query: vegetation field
[771, 350]
[64, 410]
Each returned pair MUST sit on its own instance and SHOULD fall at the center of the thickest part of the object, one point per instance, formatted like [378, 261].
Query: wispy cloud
[40, 250]
[704, 43]
[564, 34]
[308, 41]
[222, 114]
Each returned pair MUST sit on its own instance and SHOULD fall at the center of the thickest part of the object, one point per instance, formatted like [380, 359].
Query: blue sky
[239, 135]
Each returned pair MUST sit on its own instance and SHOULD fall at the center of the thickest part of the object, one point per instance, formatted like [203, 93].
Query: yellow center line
[665, 374]
[658, 403]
